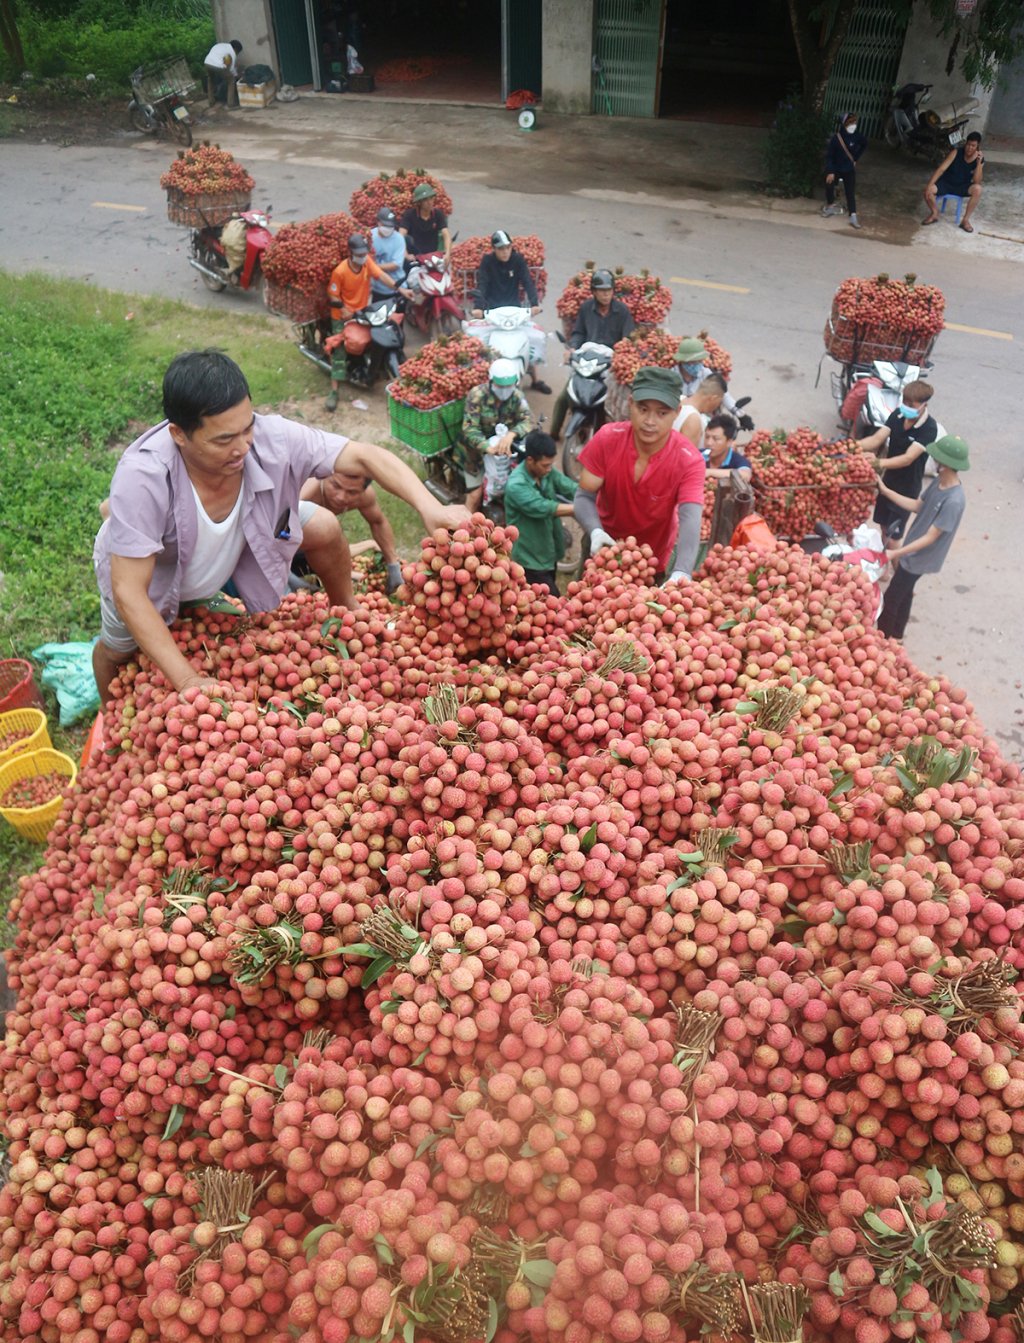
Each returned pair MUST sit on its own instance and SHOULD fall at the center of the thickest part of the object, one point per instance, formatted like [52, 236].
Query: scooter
[588, 390]
[158, 100]
[907, 127]
[374, 340]
[214, 251]
[510, 333]
[439, 311]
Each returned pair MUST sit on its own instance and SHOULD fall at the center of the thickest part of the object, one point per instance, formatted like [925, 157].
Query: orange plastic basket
[17, 686]
[35, 822]
[30, 727]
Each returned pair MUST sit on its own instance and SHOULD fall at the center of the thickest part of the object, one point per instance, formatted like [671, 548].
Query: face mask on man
[909, 412]
[691, 370]
[851, 128]
[502, 393]
[385, 230]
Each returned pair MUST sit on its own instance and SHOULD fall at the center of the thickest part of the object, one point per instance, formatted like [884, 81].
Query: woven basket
[27, 727]
[849, 342]
[286, 301]
[35, 822]
[213, 208]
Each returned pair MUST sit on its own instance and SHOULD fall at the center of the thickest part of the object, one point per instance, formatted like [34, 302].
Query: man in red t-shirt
[641, 478]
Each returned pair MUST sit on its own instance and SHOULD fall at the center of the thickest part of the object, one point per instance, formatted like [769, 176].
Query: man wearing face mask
[690, 358]
[496, 402]
[348, 292]
[904, 437]
[388, 248]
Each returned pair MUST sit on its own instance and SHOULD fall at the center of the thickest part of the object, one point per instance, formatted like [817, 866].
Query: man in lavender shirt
[212, 495]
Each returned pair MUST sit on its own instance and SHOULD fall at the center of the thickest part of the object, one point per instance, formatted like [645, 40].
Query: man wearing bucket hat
[495, 415]
[643, 479]
[424, 227]
[690, 360]
[927, 544]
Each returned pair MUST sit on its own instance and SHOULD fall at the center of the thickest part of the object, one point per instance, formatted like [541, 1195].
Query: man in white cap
[495, 415]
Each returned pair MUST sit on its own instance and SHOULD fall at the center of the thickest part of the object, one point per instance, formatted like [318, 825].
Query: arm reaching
[689, 540]
[393, 475]
[129, 581]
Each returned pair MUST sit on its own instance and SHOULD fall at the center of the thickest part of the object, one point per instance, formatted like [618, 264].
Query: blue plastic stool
[959, 204]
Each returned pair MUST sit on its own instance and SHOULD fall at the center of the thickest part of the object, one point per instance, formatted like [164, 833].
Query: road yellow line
[980, 331]
[112, 205]
[709, 284]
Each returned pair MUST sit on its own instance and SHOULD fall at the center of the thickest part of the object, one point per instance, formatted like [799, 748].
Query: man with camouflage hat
[643, 479]
[424, 227]
[925, 547]
[690, 361]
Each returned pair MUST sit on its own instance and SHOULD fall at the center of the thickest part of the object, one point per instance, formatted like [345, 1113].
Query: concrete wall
[1006, 116]
[568, 43]
[250, 22]
[923, 61]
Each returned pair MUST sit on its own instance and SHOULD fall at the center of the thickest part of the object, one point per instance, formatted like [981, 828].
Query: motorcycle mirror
[743, 401]
[825, 530]
[559, 336]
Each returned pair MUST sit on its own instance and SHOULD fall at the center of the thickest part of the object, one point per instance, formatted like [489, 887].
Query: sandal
[933, 219]
[967, 228]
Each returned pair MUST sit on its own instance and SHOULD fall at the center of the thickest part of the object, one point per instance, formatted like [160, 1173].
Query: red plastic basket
[17, 686]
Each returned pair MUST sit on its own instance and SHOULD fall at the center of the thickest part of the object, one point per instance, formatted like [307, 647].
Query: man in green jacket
[537, 497]
[495, 404]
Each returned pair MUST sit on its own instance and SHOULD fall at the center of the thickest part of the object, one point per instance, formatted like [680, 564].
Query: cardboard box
[257, 95]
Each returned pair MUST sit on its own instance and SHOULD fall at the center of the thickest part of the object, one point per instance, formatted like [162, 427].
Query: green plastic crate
[426, 431]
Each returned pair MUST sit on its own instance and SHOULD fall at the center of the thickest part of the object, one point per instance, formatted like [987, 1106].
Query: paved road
[758, 275]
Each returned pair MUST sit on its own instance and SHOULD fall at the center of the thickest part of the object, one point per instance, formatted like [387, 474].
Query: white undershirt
[218, 549]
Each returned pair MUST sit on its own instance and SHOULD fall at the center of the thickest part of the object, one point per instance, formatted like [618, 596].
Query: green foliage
[794, 154]
[109, 39]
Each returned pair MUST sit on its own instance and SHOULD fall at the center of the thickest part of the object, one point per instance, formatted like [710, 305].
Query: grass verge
[82, 373]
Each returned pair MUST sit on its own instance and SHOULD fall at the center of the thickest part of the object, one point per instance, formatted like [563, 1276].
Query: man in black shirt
[501, 279]
[603, 319]
[424, 227]
[908, 431]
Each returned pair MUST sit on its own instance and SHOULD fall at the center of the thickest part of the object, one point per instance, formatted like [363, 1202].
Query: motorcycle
[510, 333]
[908, 127]
[588, 390]
[374, 340]
[232, 253]
[438, 312]
[158, 100]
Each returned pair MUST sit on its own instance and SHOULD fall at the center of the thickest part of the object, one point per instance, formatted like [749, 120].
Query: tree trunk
[817, 59]
[10, 37]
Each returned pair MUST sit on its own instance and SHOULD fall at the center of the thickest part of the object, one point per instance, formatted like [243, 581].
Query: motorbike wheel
[572, 561]
[574, 445]
[180, 130]
[891, 132]
[142, 119]
[214, 286]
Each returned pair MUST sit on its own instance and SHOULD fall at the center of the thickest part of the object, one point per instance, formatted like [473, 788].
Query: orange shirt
[349, 290]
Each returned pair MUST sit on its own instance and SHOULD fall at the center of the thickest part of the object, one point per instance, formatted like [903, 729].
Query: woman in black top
[844, 149]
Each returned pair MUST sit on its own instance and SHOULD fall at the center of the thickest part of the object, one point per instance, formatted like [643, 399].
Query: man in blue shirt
[388, 251]
[718, 451]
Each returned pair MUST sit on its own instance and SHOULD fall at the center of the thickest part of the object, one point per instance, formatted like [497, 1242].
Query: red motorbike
[231, 253]
[438, 311]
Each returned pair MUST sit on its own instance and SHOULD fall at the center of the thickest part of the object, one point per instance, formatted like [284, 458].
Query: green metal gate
[291, 30]
[627, 48]
[521, 30]
[868, 61]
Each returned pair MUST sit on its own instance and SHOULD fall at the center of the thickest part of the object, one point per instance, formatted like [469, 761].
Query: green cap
[658, 384]
[423, 192]
[690, 350]
[950, 451]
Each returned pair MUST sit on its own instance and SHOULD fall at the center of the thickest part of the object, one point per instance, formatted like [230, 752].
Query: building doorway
[731, 62]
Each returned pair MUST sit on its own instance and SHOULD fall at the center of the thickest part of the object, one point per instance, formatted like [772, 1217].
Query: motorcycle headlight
[378, 317]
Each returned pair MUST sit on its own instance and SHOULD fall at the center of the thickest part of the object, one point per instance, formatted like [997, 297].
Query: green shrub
[109, 46]
[795, 152]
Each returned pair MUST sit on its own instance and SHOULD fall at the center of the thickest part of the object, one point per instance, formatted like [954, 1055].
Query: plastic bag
[67, 670]
[754, 531]
[354, 68]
